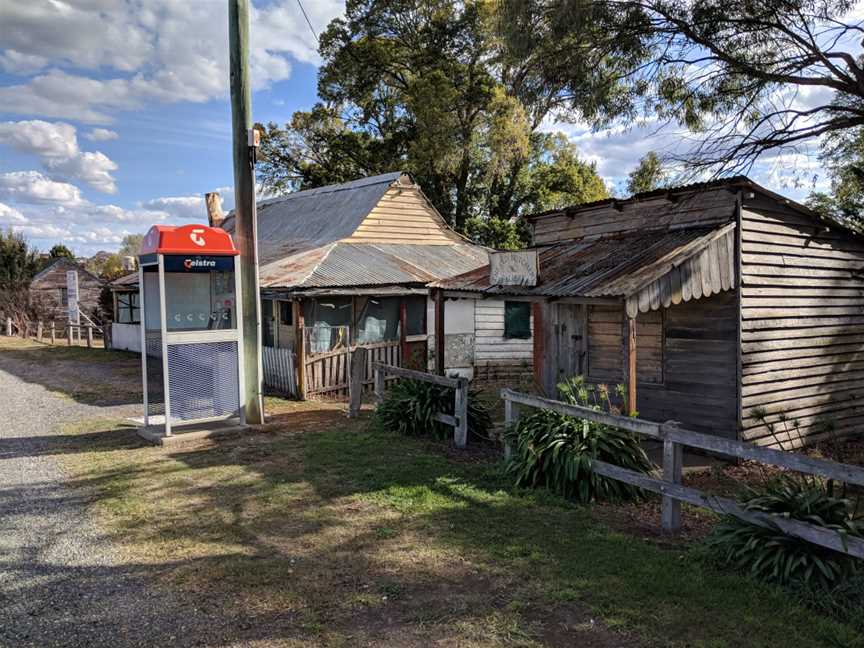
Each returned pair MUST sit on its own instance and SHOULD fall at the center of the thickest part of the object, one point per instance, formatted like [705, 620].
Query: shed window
[268, 324]
[128, 308]
[286, 313]
[64, 297]
[517, 320]
[327, 323]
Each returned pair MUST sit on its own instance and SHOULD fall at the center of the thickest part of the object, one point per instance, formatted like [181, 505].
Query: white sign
[72, 296]
[513, 268]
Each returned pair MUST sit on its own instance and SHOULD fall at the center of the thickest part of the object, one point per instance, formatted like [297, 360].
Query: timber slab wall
[802, 324]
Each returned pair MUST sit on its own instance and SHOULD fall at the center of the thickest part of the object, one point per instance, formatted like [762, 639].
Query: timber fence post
[672, 471]
[511, 417]
[53, 333]
[355, 383]
[69, 335]
[39, 330]
[460, 411]
[8, 327]
[379, 384]
[89, 336]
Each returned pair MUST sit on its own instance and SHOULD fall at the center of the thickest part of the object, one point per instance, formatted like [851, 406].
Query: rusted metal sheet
[365, 264]
[650, 269]
[513, 268]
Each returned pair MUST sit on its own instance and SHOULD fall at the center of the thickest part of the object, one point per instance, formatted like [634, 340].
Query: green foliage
[426, 87]
[648, 176]
[18, 261]
[497, 233]
[843, 601]
[409, 405]
[555, 451]
[106, 266]
[60, 251]
[769, 554]
[131, 245]
[843, 158]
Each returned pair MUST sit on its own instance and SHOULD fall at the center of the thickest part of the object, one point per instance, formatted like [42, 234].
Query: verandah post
[630, 357]
[673, 464]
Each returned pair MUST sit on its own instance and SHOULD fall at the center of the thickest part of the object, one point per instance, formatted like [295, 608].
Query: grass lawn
[340, 535]
[322, 531]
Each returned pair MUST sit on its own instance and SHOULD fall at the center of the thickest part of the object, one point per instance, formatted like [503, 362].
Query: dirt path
[61, 582]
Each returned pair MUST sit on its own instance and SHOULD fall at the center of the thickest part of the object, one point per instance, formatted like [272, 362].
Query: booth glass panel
[200, 301]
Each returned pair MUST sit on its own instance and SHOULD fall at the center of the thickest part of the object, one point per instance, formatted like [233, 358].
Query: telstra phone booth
[192, 366]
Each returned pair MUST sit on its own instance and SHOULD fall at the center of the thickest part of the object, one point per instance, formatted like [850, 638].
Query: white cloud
[165, 51]
[15, 62]
[56, 145]
[101, 135]
[31, 187]
[11, 216]
[184, 208]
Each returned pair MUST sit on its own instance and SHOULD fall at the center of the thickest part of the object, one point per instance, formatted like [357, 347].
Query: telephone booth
[192, 364]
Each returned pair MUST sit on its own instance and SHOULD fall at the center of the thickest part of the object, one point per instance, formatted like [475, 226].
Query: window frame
[520, 304]
[132, 308]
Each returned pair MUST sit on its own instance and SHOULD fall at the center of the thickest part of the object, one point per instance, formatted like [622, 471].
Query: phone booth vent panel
[190, 319]
[202, 380]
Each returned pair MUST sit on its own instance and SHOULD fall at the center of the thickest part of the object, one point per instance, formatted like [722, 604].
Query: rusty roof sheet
[126, 281]
[366, 264]
[609, 267]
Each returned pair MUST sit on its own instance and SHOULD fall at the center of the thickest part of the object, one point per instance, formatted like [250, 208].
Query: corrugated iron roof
[130, 280]
[365, 264]
[316, 217]
[609, 267]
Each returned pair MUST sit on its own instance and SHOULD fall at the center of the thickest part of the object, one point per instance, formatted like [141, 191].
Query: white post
[8, 327]
[142, 317]
[53, 333]
[163, 323]
[241, 355]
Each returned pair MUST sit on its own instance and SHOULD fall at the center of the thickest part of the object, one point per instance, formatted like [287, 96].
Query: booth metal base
[180, 434]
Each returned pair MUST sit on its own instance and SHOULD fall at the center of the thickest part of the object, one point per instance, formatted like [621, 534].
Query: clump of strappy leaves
[409, 407]
[555, 451]
[771, 555]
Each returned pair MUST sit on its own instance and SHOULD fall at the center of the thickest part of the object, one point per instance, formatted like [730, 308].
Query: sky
[115, 114]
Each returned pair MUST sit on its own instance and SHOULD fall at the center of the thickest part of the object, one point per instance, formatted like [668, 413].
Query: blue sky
[114, 114]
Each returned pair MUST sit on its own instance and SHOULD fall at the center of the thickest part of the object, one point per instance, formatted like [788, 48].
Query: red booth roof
[187, 239]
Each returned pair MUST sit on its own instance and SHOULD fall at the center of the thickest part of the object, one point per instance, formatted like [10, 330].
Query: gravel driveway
[61, 582]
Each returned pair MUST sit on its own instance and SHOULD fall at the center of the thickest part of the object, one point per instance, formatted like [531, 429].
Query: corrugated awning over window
[647, 270]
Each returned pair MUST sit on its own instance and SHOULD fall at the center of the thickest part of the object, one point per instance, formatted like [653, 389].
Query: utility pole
[246, 227]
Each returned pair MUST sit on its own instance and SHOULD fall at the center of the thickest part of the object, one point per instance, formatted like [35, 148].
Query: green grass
[363, 535]
[668, 595]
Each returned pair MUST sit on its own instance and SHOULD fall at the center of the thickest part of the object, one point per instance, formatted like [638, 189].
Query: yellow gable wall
[404, 216]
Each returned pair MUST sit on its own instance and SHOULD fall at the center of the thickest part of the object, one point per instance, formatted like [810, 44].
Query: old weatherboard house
[348, 265]
[713, 303]
[49, 290]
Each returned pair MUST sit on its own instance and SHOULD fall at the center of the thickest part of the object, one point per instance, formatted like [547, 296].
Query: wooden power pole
[245, 228]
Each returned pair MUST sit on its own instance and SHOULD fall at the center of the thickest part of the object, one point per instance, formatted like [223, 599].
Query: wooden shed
[714, 303]
[48, 290]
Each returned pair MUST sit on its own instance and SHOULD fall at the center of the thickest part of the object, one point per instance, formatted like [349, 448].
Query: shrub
[771, 555]
[555, 451]
[409, 405]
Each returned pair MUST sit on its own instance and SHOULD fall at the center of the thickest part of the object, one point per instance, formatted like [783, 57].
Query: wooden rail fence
[459, 421]
[674, 439]
[78, 334]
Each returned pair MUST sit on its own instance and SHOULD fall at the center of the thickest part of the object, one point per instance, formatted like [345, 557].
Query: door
[569, 336]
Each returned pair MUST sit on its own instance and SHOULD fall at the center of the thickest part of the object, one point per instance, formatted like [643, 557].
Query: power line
[308, 22]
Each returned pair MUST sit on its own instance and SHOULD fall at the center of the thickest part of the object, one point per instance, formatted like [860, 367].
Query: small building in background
[49, 296]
